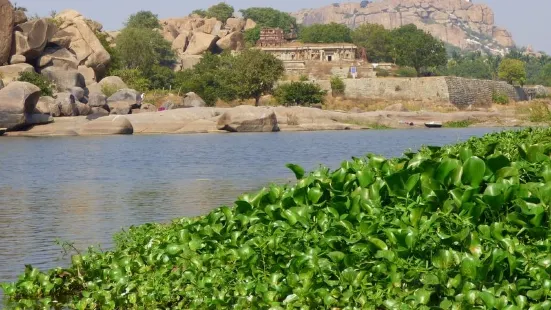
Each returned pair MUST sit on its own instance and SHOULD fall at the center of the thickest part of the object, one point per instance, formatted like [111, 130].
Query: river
[85, 189]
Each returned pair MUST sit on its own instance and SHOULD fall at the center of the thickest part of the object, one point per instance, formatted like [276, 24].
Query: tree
[252, 36]
[134, 78]
[208, 79]
[220, 11]
[512, 71]
[268, 17]
[376, 41]
[325, 33]
[143, 19]
[337, 86]
[415, 48]
[143, 48]
[299, 93]
[253, 74]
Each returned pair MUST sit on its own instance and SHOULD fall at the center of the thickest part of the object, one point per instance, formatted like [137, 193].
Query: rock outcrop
[109, 125]
[6, 30]
[458, 22]
[193, 35]
[77, 34]
[248, 119]
[30, 38]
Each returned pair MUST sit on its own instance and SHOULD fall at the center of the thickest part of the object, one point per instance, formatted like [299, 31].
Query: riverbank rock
[67, 104]
[108, 125]
[120, 107]
[17, 102]
[97, 100]
[30, 38]
[248, 119]
[6, 30]
[192, 100]
[11, 73]
[44, 103]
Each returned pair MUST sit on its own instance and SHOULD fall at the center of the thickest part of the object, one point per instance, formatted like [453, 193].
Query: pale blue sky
[528, 20]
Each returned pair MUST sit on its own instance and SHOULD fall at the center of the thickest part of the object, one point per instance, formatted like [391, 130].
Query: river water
[85, 189]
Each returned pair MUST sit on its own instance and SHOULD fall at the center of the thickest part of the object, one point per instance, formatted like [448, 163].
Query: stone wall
[415, 89]
[465, 92]
[460, 92]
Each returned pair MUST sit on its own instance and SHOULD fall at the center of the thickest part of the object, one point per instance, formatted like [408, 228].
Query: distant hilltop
[459, 23]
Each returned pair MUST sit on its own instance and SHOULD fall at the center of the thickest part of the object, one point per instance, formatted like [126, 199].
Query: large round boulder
[17, 104]
[131, 96]
[64, 79]
[58, 57]
[113, 82]
[6, 30]
[234, 41]
[108, 125]
[248, 119]
[200, 42]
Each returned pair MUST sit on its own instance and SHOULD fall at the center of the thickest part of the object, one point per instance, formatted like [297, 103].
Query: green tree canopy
[268, 17]
[143, 48]
[143, 19]
[376, 41]
[325, 33]
[220, 11]
[252, 35]
[416, 48]
[299, 93]
[512, 71]
[254, 74]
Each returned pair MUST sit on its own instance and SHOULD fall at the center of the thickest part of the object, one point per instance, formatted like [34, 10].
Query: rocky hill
[460, 23]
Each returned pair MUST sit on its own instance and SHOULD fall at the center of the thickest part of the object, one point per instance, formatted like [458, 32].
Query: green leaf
[473, 171]
[297, 170]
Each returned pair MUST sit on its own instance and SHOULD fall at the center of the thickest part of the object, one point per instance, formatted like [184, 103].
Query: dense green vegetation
[337, 86]
[375, 39]
[46, 86]
[249, 74]
[220, 11]
[513, 71]
[325, 33]
[459, 227]
[299, 93]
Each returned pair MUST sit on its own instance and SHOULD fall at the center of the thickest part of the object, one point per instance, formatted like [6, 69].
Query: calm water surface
[86, 189]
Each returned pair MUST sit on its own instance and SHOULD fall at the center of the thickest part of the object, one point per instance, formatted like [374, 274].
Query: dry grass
[368, 105]
[536, 111]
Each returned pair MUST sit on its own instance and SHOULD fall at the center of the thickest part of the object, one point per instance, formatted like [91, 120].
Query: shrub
[500, 98]
[299, 93]
[459, 124]
[406, 72]
[134, 78]
[382, 72]
[539, 113]
[337, 86]
[303, 78]
[45, 85]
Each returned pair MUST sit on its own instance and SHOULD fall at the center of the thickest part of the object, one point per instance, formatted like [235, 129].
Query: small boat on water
[3, 130]
[433, 125]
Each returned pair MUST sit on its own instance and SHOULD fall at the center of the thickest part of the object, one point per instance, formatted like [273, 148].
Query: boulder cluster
[193, 35]
[65, 49]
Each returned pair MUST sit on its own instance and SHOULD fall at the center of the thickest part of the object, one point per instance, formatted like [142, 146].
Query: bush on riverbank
[459, 227]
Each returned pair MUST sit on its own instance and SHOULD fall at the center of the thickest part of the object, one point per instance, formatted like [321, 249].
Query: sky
[528, 20]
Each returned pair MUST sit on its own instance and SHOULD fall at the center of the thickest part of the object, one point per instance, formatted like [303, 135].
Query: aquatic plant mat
[460, 227]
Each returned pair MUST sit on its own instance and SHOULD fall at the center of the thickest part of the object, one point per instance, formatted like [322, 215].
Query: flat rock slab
[108, 125]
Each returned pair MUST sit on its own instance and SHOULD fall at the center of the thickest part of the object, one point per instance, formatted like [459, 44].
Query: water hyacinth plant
[459, 227]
